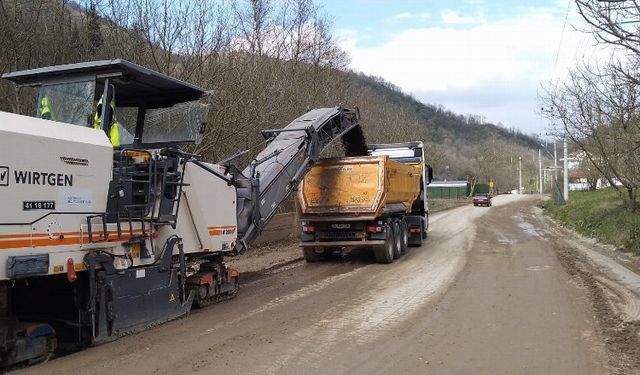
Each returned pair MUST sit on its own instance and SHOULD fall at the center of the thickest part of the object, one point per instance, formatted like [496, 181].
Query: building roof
[576, 173]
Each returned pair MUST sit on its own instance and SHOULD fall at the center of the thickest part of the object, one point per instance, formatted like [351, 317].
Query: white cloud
[497, 62]
[406, 16]
[451, 17]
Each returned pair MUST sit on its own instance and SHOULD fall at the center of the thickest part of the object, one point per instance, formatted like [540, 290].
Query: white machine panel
[207, 214]
[48, 166]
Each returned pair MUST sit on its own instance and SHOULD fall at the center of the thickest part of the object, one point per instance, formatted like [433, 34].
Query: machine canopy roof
[135, 86]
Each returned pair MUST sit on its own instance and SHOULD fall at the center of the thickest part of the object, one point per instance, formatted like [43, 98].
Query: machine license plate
[38, 205]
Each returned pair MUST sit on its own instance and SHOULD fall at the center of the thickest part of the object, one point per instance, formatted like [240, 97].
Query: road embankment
[600, 214]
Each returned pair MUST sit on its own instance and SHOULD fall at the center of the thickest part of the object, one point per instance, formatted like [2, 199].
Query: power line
[564, 26]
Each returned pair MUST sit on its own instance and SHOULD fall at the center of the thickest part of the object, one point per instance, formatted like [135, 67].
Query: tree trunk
[632, 202]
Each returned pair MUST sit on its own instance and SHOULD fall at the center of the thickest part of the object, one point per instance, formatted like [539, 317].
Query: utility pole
[540, 170]
[555, 165]
[566, 169]
[520, 175]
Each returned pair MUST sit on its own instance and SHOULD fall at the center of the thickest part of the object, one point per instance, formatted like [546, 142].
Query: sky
[482, 57]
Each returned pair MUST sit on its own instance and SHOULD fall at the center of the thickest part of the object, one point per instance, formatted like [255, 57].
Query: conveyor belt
[275, 172]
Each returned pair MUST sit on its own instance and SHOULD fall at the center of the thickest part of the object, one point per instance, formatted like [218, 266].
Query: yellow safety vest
[114, 131]
[114, 134]
[45, 109]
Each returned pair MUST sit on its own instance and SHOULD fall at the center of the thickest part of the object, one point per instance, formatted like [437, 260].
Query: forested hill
[443, 122]
[267, 61]
[458, 147]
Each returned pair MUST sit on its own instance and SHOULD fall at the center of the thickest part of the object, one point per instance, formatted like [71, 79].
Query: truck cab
[411, 153]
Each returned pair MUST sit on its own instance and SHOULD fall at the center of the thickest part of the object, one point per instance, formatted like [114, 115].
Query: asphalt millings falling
[354, 142]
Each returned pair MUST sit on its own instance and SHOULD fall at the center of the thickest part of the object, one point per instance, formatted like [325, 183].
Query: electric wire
[564, 27]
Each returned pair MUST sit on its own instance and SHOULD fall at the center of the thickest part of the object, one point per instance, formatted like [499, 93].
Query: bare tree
[598, 109]
[613, 22]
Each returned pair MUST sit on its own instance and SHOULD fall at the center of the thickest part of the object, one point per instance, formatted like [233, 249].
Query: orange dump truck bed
[359, 186]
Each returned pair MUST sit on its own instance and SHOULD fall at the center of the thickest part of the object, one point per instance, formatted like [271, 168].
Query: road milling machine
[97, 241]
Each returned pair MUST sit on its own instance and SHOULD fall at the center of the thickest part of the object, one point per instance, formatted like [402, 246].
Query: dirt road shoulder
[613, 289]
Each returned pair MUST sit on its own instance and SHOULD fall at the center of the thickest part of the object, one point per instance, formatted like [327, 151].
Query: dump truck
[376, 202]
[101, 238]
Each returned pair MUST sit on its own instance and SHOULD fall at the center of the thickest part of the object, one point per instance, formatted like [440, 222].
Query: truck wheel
[404, 228]
[424, 226]
[397, 243]
[310, 254]
[384, 253]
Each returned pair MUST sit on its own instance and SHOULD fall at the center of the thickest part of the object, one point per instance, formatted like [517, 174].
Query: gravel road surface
[494, 290]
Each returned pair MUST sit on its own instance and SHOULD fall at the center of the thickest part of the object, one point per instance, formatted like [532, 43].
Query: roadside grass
[599, 214]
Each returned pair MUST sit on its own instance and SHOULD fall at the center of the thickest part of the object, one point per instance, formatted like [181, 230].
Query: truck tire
[384, 253]
[424, 231]
[404, 229]
[310, 254]
[397, 240]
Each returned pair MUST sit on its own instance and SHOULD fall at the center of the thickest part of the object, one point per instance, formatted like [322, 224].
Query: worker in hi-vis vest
[114, 131]
[45, 109]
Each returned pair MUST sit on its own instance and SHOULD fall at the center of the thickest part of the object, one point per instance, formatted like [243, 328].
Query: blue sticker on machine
[38, 205]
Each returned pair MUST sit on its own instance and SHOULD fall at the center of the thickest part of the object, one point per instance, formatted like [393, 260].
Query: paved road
[486, 294]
